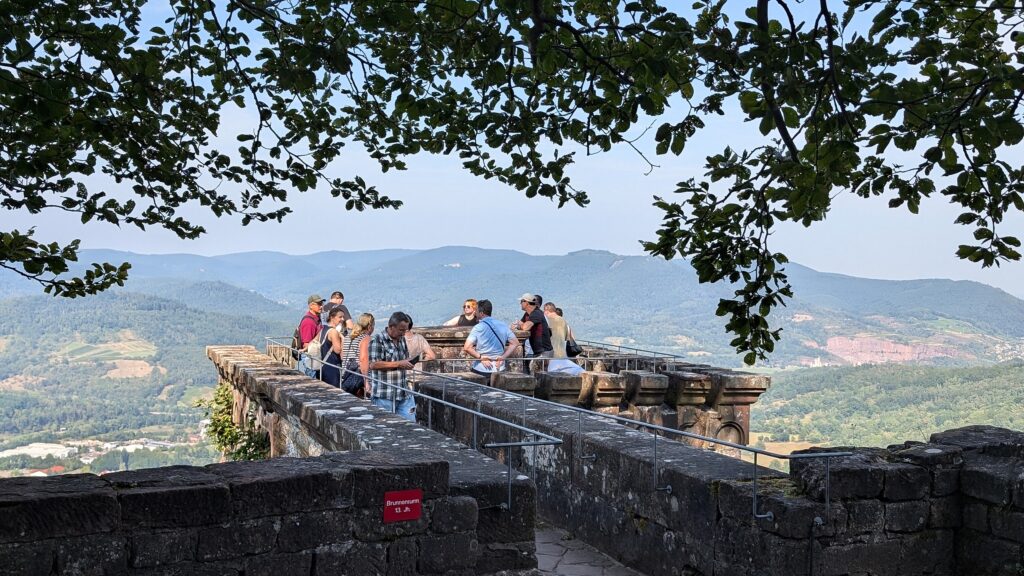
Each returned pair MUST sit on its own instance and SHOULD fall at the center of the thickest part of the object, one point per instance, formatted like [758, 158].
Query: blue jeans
[404, 408]
[303, 366]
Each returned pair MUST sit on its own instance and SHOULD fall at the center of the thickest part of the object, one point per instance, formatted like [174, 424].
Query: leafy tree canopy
[901, 99]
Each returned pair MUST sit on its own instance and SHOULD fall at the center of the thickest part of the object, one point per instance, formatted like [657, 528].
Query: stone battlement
[308, 516]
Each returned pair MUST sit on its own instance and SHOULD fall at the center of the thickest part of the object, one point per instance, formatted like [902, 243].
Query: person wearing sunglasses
[468, 316]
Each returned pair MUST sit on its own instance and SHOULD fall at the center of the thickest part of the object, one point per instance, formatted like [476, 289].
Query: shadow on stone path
[558, 552]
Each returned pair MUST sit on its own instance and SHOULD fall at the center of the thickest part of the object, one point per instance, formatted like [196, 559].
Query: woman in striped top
[356, 357]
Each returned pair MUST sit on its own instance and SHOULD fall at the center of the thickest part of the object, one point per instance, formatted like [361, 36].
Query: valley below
[110, 382]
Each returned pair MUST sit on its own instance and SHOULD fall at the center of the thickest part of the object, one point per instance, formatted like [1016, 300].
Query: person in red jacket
[309, 327]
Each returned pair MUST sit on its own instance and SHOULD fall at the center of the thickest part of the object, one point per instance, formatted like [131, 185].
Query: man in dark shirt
[338, 301]
[533, 320]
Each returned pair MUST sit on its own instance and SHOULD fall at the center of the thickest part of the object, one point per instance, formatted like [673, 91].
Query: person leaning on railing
[490, 342]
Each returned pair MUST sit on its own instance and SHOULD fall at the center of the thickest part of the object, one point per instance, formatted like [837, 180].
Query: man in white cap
[533, 321]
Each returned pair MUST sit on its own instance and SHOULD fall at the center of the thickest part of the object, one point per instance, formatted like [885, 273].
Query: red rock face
[869, 349]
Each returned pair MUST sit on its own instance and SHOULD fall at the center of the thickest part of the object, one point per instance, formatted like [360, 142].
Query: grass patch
[193, 393]
[125, 350]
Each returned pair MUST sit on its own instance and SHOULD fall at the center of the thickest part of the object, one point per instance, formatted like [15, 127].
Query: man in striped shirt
[389, 360]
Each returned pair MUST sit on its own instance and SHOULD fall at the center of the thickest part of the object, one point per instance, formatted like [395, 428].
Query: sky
[444, 206]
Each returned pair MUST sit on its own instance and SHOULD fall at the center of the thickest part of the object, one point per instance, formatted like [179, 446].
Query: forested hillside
[109, 366]
[638, 300]
[887, 404]
[130, 363]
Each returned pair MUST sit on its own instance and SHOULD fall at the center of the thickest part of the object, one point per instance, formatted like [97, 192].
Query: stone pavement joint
[559, 553]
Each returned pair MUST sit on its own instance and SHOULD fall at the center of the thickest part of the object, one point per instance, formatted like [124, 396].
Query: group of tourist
[348, 354]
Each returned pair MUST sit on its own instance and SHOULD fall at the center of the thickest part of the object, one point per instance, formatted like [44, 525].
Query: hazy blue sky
[446, 206]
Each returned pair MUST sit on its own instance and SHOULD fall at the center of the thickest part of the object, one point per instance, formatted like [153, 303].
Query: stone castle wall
[281, 517]
[952, 506]
[306, 417]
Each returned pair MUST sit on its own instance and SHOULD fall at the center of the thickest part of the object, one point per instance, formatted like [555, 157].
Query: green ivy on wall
[237, 443]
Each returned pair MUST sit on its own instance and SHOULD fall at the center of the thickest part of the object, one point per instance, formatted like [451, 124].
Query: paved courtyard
[558, 552]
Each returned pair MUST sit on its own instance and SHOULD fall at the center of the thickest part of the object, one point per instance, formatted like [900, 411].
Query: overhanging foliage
[905, 100]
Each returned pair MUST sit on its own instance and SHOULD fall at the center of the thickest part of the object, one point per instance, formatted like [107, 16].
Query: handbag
[572, 349]
[351, 378]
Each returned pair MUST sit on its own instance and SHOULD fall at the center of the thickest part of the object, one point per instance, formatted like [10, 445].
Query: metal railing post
[769, 515]
[549, 440]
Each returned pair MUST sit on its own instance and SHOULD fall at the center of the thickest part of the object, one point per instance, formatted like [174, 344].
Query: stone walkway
[558, 553]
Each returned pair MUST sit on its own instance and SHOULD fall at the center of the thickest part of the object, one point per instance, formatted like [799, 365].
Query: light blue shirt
[489, 336]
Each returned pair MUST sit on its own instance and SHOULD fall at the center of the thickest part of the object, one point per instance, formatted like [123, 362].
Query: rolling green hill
[887, 404]
[131, 361]
[834, 319]
[59, 371]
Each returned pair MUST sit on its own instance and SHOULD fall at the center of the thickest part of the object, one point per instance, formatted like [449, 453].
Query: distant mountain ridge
[833, 320]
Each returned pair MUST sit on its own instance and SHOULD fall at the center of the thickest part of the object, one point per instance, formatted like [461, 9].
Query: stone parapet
[307, 417]
[283, 516]
[954, 506]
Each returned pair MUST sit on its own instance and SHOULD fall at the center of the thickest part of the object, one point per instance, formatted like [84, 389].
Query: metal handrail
[654, 462]
[635, 351]
[654, 428]
[548, 440]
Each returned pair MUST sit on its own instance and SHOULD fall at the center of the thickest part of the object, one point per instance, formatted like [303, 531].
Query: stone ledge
[57, 506]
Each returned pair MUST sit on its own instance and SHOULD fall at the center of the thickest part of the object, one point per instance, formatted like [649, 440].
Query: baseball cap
[314, 298]
[530, 298]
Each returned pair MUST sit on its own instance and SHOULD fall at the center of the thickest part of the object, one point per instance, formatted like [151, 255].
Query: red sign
[403, 505]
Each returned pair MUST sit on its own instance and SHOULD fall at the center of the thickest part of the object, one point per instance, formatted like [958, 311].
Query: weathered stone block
[54, 507]
[601, 389]
[945, 512]
[440, 553]
[660, 415]
[1018, 488]
[861, 475]
[930, 455]
[792, 516]
[162, 548]
[865, 516]
[989, 440]
[170, 497]
[314, 529]
[368, 526]
[374, 472]
[909, 516]
[975, 515]
[27, 558]
[987, 478]
[351, 559]
[517, 382]
[497, 524]
[687, 388]
[871, 557]
[402, 556]
[644, 388]
[95, 554]
[558, 387]
[229, 567]
[282, 486]
[945, 480]
[978, 553]
[234, 540]
[298, 564]
[453, 514]
[1007, 524]
[906, 482]
[929, 552]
